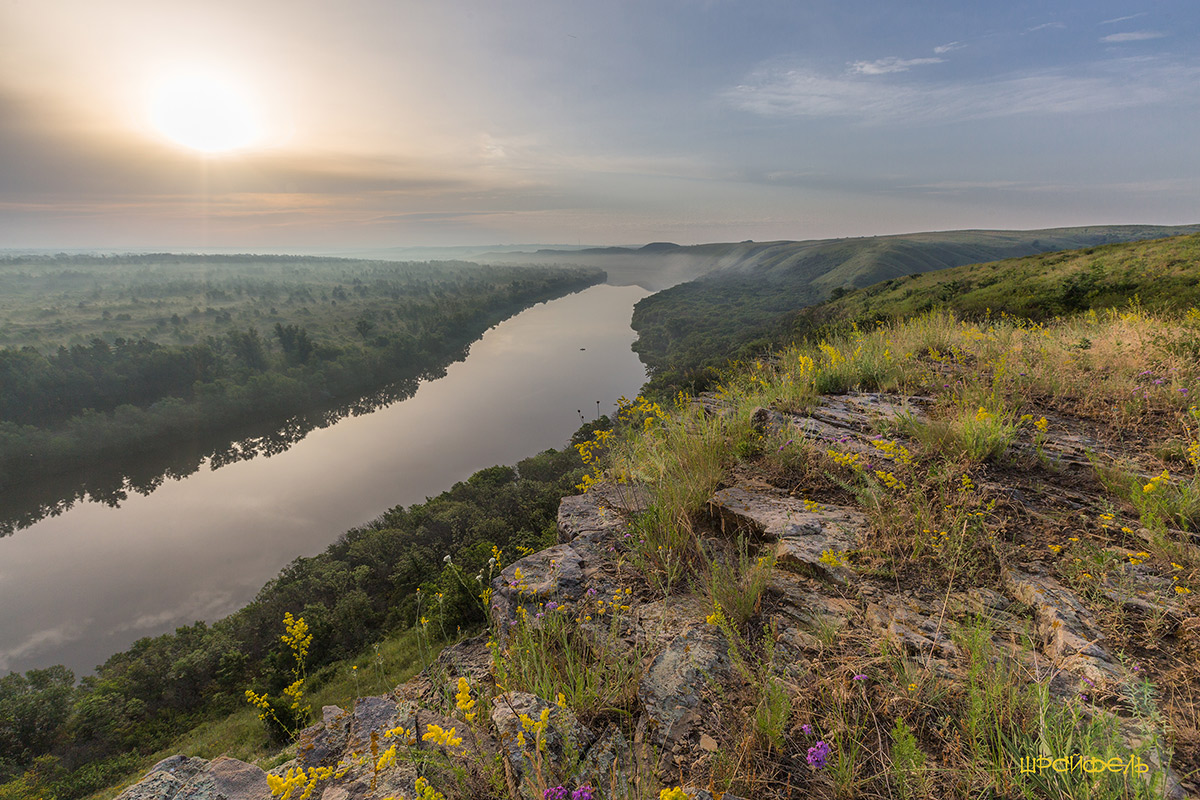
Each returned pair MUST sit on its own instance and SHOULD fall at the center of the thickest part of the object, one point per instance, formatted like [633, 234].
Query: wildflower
[1152, 486]
[555, 793]
[387, 759]
[831, 559]
[427, 792]
[1182, 590]
[1055, 548]
[562, 700]
[715, 617]
[912, 687]
[818, 755]
[806, 729]
[859, 678]
[674, 794]
[438, 735]
[584, 792]
[464, 701]
[1042, 424]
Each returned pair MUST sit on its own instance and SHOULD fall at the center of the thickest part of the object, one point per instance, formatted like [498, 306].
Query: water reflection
[113, 482]
[185, 543]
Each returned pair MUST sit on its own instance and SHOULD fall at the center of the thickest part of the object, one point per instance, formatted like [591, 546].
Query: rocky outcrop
[181, 778]
[688, 682]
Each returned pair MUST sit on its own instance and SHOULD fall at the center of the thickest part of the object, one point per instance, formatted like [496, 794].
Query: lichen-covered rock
[321, 745]
[565, 739]
[675, 690]
[912, 626]
[183, 778]
[371, 716]
[165, 779]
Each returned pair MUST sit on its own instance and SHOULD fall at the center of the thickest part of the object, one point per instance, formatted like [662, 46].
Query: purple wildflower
[583, 793]
[551, 605]
[1083, 697]
[556, 793]
[860, 677]
[591, 592]
[818, 755]
[806, 729]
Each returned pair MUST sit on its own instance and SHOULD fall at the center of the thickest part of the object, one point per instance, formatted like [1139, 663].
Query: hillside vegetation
[1159, 274]
[109, 359]
[745, 304]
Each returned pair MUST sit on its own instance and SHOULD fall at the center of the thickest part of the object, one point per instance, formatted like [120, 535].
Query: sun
[204, 112]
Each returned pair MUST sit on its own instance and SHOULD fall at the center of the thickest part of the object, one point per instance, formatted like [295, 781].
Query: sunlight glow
[205, 113]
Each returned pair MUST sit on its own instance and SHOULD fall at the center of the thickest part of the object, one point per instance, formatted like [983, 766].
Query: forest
[108, 358]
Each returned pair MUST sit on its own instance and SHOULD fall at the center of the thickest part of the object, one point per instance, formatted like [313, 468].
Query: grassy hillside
[744, 304]
[1161, 274]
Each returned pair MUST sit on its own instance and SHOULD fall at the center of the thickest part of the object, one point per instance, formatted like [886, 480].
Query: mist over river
[76, 588]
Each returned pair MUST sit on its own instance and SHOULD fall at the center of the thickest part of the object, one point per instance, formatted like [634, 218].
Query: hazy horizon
[135, 125]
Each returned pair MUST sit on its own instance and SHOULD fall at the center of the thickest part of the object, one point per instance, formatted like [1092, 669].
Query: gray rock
[226, 779]
[372, 716]
[912, 626]
[1069, 635]
[608, 765]
[155, 786]
[561, 573]
[802, 537]
[321, 745]
[600, 512]
[566, 740]
[673, 690]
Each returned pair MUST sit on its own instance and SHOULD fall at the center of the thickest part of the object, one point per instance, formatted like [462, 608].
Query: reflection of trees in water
[142, 474]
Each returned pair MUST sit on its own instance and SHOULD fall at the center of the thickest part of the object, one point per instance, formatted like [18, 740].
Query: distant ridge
[743, 292]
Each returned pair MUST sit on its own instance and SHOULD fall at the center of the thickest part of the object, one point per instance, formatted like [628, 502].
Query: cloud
[1132, 36]
[1123, 19]
[948, 47]
[1046, 26]
[43, 640]
[885, 66]
[1098, 87]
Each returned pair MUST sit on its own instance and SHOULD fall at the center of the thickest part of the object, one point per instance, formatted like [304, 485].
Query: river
[78, 587]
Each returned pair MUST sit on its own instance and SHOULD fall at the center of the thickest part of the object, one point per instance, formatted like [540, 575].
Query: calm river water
[78, 587]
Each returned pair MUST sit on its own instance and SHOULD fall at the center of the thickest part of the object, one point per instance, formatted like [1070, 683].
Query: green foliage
[736, 583]
[742, 311]
[907, 761]
[34, 708]
[77, 388]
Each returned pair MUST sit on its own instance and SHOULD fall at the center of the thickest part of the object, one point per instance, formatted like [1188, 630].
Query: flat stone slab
[1070, 637]
[802, 536]
[599, 513]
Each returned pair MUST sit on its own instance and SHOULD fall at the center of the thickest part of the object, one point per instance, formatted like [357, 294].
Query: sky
[376, 123]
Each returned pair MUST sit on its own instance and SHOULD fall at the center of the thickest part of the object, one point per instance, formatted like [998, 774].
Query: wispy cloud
[948, 47]
[1104, 86]
[886, 66]
[1046, 26]
[43, 640]
[1132, 36]
[1115, 20]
